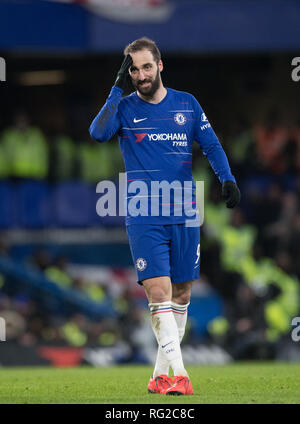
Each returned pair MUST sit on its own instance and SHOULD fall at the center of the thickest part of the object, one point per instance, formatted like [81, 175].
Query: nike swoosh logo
[138, 120]
[166, 345]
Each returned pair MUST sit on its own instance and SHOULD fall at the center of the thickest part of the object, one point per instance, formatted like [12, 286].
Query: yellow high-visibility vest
[26, 152]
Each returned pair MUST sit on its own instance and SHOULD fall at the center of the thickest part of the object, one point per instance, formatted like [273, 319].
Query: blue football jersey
[156, 142]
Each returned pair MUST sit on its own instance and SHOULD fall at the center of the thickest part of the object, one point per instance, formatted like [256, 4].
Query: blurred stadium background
[67, 285]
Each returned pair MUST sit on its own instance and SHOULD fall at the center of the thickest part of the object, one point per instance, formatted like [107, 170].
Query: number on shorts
[198, 253]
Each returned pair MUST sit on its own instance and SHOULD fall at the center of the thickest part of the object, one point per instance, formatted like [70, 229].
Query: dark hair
[141, 44]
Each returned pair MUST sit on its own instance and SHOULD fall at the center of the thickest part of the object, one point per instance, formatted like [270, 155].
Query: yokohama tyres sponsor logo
[167, 137]
[162, 137]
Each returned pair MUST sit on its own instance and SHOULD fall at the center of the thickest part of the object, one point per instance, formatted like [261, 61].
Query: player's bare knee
[158, 289]
[182, 298]
[157, 294]
[181, 292]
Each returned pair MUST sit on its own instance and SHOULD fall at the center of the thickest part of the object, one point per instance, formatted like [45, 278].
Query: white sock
[161, 365]
[180, 314]
[167, 336]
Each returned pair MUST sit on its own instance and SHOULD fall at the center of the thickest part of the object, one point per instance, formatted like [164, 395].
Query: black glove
[231, 193]
[123, 79]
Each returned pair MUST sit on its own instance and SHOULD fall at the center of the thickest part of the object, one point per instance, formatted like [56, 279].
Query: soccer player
[156, 128]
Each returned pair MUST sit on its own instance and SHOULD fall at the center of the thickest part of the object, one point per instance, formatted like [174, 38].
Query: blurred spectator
[74, 330]
[277, 235]
[58, 272]
[63, 156]
[243, 330]
[245, 314]
[265, 207]
[25, 150]
[271, 140]
[41, 259]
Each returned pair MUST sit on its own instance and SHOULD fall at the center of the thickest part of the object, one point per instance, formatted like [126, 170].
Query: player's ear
[160, 66]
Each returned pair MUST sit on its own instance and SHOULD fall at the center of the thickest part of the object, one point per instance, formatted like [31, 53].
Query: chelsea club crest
[180, 119]
[141, 264]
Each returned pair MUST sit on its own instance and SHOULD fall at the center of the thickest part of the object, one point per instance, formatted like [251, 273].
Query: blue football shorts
[165, 250]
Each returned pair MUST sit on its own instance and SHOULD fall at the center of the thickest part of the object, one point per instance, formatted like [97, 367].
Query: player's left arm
[213, 150]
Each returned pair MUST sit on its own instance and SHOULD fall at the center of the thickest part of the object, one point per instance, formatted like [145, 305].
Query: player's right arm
[107, 122]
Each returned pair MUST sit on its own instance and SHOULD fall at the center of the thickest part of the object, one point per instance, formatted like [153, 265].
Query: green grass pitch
[244, 383]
